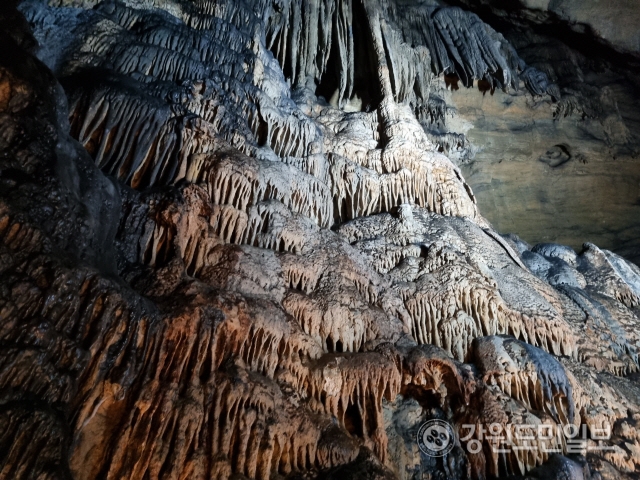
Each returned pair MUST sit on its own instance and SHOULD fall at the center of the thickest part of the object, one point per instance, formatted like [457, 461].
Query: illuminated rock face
[238, 253]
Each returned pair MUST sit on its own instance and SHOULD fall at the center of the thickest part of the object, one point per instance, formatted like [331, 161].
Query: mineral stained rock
[234, 245]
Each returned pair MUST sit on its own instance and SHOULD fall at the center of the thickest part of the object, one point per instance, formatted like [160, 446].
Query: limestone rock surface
[562, 170]
[234, 245]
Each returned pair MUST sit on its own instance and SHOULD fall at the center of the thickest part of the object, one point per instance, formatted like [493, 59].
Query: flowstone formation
[232, 246]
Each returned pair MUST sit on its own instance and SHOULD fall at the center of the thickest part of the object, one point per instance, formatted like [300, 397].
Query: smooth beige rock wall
[594, 196]
[616, 21]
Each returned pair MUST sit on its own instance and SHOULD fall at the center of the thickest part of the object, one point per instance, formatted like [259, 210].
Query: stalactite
[287, 269]
[526, 374]
[353, 389]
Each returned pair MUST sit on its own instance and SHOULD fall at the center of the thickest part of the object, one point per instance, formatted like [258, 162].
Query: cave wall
[561, 171]
[208, 269]
[551, 180]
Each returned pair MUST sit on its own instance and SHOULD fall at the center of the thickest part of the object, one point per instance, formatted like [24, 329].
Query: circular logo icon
[436, 438]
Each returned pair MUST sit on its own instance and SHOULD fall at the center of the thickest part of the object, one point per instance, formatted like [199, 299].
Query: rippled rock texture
[234, 245]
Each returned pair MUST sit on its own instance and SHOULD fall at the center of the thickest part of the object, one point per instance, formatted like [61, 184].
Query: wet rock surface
[234, 245]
